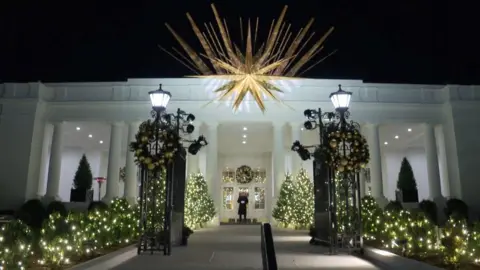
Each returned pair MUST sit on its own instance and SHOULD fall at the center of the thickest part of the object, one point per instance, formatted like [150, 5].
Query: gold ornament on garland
[244, 174]
[356, 152]
[145, 143]
[281, 56]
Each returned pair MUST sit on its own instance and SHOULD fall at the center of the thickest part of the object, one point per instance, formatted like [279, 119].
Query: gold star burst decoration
[251, 71]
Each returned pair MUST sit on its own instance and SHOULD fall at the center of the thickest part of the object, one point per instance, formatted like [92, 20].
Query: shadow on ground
[238, 248]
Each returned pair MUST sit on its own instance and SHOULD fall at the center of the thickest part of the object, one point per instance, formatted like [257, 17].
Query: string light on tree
[199, 205]
[284, 209]
[303, 200]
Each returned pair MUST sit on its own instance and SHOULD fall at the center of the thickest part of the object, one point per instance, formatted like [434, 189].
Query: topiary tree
[406, 179]
[199, 206]
[406, 183]
[83, 176]
[283, 211]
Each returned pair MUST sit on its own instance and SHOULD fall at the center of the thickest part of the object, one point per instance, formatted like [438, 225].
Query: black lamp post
[333, 130]
[174, 126]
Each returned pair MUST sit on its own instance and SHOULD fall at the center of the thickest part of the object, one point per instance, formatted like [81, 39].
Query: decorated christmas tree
[283, 211]
[304, 201]
[199, 206]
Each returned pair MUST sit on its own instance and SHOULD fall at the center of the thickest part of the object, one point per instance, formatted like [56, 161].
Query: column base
[132, 200]
[49, 198]
[382, 201]
[440, 202]
[107, 200]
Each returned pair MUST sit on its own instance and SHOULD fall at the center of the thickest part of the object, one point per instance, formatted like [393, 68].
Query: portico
[39, 121]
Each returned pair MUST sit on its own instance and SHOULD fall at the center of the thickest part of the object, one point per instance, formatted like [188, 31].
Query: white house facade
[46, 127]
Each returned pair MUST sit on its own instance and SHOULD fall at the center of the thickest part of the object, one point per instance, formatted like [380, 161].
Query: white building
[46, 127]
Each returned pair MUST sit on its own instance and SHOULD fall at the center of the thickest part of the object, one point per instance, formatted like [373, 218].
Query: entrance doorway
[247, 181]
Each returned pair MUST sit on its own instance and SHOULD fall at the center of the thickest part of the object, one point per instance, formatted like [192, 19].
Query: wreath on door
[244, 174]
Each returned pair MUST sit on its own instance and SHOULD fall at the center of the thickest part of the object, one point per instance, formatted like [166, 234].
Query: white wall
[391, 161]
[98, 163]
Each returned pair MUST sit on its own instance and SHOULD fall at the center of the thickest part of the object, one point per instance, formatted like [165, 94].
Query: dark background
[377, 41]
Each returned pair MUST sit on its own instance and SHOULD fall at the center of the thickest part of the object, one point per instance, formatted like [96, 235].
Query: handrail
[269, 258]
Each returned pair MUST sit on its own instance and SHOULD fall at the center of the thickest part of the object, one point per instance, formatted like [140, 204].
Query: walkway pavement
[237, 247]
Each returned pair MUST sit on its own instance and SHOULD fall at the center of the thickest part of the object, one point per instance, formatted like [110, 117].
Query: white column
[113, 169]
[442, 160]
[42, 179]
[55, 165]
[376, 180]
[212, 176]
[296, 162]
[432, 162]
[278, 157]
[193, 166]
[130, 185]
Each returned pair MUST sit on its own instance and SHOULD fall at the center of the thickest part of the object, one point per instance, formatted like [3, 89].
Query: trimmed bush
[57, 207]
[32, 213]
[394, 206]
[456, 208]
[98, 205]
[429, 208]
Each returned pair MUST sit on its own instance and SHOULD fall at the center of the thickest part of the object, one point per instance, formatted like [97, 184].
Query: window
[259, 198]
[228, 176]
[260, 176]
[228, 198]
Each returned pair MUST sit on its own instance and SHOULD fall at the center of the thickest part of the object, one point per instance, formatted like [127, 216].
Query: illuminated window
[228, 198]
[228, 176]
[259, 198]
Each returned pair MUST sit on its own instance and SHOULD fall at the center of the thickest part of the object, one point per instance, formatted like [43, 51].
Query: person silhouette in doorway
[242, 207]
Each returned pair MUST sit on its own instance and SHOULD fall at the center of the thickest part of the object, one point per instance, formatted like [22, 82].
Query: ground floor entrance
[243, 182]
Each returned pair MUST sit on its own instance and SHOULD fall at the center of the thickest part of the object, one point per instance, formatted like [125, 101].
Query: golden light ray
[251, 72]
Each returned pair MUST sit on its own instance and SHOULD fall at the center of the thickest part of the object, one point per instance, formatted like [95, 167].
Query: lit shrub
[15, 245]
[59, 240]
[372, 216]
[124, 221]
[454, 242]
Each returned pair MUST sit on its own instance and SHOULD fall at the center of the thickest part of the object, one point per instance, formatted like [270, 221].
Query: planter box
[81, 195]
[407, 196]
[387, 260]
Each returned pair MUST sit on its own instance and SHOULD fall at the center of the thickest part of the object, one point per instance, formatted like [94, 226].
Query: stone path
[238, 248]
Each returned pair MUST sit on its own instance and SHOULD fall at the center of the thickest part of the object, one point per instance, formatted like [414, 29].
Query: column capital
[296, 124]
[210, 124]
[278, 125]
[118, 123]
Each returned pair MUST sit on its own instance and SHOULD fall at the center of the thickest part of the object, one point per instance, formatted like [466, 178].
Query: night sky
[389, 41]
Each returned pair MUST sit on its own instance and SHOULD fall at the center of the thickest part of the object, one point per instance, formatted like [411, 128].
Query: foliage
[199, 205]
[97, 205]
[57, 207]
[406, 179]
[83, 177]
[32, 213]
[394, 206]
[303, 208]
[65, 239]
[456, 208]
[144, 143]
[283, 211]
[429, 208]
[15, 240]
[454, 242]
[372, 216]
[155, 201]
[295, 204]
